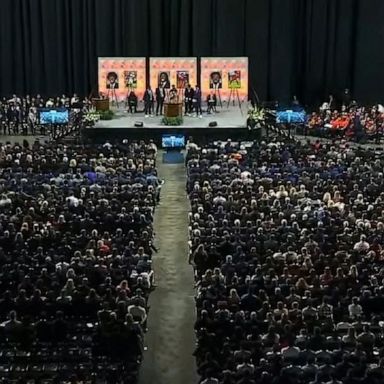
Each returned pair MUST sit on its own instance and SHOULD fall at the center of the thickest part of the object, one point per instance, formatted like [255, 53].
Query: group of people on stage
[192, 99]
[154, 100]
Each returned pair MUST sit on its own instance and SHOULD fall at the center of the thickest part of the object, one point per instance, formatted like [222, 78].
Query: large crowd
[355, 122]
[20, 114]
[76, 243]
[286, 241]
[287, 247]
[344, 117]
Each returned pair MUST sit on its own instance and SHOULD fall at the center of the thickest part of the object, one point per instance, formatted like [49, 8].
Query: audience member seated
[286, 240]
[132, 102]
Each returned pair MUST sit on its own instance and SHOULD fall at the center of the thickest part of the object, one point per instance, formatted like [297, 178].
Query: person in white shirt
[219, 199]
[74, 99]
[5, 201]
[355, 310]
[152, 146]
[72, 200]
[191, 146]
[248, 180]
[15, 100]
[362, 245]
[63, 100]
[107, 145]
[139, 313]
[245, 174]
[49, 103]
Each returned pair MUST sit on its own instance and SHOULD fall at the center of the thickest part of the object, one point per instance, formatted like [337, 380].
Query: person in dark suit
[346, 98]
[197, 101]
[148, 101]
[132, 102]
[160, 96]
[13, 119]
[211, 102]
[189, 94]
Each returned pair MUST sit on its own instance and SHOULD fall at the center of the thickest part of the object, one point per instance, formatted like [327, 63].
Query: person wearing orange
[341, 122]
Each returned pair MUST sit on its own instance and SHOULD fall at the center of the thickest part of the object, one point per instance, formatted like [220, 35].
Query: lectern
[173, 109]
[101, 104]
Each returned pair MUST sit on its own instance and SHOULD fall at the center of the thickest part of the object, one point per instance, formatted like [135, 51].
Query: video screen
[173, 141]
[291, 116]
[53, 116]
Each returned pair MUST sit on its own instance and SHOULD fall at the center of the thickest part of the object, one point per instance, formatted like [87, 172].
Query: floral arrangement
[91, 118]
[106, 115]
[172, 120]
[257, 115]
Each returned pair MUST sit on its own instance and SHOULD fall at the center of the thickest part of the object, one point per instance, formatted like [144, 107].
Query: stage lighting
[213, 124]
[139, 124]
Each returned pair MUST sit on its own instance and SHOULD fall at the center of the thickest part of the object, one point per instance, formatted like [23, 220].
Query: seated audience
[76, 245]
[286, 243]
[356, 122]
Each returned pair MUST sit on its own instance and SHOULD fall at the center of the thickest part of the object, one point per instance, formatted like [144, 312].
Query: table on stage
[173, 109]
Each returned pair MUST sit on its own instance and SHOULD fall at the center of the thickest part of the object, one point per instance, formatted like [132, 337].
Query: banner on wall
[223, 75]
[122, 75]
[168, 71]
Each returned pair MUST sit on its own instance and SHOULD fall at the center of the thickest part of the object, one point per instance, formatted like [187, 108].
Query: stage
[231, 122]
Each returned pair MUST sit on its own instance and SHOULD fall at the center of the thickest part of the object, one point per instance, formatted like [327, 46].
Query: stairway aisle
[170, 338]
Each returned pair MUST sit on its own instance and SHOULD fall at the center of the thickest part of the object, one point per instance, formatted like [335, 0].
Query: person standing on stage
[148, 102]
[160, 96]
[197, 101]
[189, 94]
[173, 95]
[211, 102]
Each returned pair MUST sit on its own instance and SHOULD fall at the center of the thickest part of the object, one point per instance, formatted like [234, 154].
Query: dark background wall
[303, 47]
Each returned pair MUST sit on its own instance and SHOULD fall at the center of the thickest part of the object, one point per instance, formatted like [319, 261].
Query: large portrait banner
[225, 76]
[177, 71]
[118, 76]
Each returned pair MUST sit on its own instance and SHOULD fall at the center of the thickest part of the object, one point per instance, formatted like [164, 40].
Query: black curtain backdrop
[304, 47]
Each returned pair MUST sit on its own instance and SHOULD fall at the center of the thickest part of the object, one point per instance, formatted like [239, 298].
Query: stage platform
[231, 122]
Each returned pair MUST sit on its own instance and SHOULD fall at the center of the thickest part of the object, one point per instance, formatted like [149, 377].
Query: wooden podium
[173, 109]
[101, 104]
